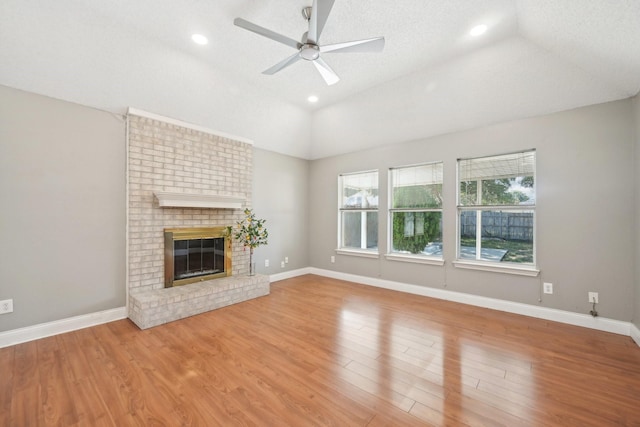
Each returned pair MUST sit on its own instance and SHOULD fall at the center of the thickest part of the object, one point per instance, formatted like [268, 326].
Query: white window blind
[359, 190]
[497, 167]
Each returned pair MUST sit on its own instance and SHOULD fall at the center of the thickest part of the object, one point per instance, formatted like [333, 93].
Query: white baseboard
[568, 317]
[635, 334]
[289, 274]
[43, 330]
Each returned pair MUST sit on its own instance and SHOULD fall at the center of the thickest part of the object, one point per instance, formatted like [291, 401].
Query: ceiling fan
[309, 47]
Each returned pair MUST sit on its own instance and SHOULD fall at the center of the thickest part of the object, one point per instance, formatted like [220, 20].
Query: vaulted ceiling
[537, 57]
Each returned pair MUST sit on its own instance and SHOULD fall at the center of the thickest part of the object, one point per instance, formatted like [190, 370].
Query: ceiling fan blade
[329, 76]
[368, 45]
[266, 33]
[283, 64]
[319, 14]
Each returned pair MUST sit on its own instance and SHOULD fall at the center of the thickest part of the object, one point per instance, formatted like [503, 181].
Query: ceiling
[537, 57]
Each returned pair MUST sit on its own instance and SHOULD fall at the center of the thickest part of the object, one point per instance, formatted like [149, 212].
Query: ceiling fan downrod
[308, 51]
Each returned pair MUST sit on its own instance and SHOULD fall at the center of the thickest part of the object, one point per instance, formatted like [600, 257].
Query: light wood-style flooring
[318, 352]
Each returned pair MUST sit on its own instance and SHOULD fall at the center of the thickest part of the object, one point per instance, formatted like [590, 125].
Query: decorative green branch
[250, 231]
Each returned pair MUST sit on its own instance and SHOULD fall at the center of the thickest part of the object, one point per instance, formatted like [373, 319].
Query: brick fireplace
[183, 177]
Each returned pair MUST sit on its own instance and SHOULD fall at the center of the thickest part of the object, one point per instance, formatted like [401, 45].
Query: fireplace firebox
[195, 254]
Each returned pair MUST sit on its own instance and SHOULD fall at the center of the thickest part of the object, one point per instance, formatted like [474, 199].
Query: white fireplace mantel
[188, 200]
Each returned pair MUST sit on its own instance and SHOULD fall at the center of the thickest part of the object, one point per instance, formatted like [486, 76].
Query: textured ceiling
[538, 57]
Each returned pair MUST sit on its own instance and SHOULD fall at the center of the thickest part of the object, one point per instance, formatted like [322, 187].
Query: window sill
[415, 259]
[530, 271]
[360, 253]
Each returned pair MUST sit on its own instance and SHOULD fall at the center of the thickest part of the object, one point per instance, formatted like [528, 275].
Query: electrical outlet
[547, 288]
[333, 259]
[6, 306]
[593, 297]
[286, 260]
[266, 263]
[282, 264]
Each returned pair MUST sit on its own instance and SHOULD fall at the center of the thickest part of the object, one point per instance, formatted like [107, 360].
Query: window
[358, 216]
[415, 214]
[496, 208]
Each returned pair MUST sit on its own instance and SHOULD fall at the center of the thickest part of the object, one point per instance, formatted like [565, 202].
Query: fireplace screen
[195, 254]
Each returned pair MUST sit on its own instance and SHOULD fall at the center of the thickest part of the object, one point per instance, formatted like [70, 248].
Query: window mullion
[392, 210]
[363, 230]
[479, 221]
[498, 208]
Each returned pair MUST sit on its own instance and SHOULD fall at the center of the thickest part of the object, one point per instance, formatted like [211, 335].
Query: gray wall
[62, 209]
[62, 205]
[585, 211]
[62, 191]
[280, 195]
[636, 110]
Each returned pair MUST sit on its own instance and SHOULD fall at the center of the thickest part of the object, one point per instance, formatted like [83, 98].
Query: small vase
[252, 264]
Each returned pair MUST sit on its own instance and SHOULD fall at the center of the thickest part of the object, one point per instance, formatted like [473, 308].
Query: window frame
[420, 258]
[526, 269]
[363, 252]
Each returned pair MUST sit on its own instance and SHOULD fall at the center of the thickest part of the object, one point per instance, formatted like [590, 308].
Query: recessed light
[199, 39]
[312, 98]
[478, 30]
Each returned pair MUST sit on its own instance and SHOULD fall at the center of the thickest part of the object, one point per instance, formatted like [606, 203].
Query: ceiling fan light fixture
[199, 39]
[478, 30]
[309, 52]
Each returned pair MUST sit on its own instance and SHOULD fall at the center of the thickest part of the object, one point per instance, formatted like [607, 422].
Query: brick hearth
[158, 306]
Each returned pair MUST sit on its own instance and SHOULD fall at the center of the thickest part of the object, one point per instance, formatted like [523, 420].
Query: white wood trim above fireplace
[188, 200]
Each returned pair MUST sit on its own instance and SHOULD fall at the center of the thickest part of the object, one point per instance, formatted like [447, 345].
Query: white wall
[585, 209]
[62, 209]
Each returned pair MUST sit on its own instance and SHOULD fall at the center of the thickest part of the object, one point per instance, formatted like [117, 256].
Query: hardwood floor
[320, 351]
